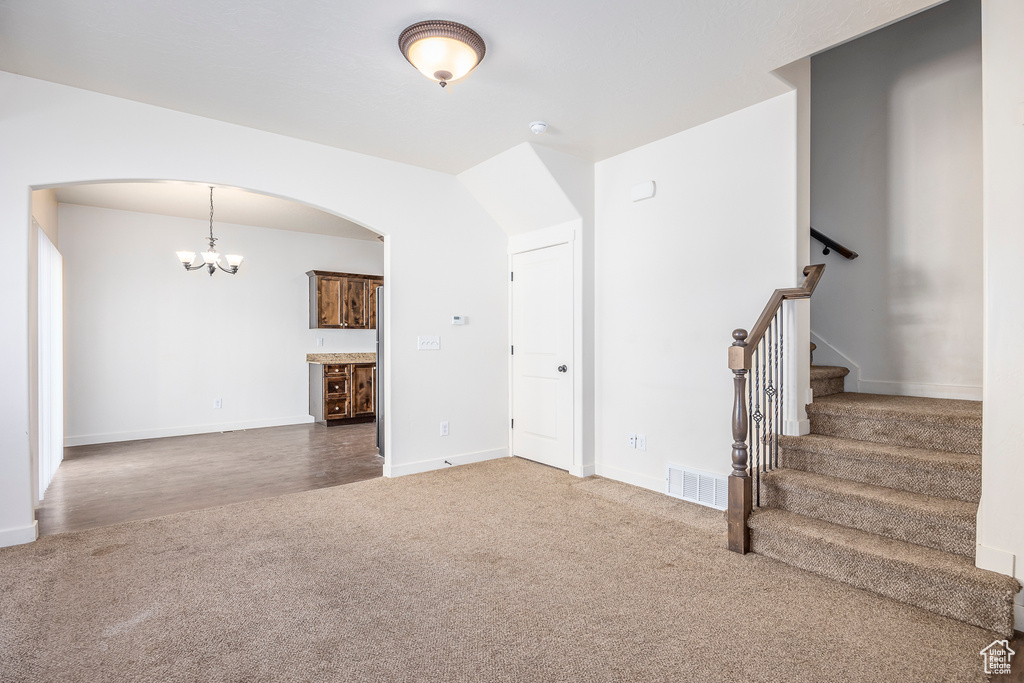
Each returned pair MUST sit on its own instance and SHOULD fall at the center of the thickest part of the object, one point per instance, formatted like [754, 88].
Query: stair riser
[926, 478]
[827, 387]
[934, 592]
[899, 433]
[949, 534]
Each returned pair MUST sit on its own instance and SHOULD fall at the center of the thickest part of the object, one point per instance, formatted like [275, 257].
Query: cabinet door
[355, 303]
[371, 313]
[362, 390]
[328, 297]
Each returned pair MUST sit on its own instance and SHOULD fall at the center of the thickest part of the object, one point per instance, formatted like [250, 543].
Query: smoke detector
[538, 127]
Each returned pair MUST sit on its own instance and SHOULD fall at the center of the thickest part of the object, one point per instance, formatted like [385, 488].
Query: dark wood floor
[105, 484]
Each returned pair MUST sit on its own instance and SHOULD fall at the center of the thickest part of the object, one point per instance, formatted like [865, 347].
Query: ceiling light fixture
[211, 259]
[443, 51]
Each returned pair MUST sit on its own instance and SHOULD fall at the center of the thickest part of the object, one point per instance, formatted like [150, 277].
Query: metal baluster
[758, 415]
[769, 397]
[782, 368]
[750, 412]
[778, 390]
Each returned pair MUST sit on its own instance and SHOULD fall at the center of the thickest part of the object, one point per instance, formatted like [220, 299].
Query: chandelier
[211, 259]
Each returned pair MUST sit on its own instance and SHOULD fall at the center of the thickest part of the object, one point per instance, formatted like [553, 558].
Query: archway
[157, 357]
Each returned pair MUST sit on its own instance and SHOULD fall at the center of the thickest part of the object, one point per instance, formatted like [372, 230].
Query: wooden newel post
[739, 480]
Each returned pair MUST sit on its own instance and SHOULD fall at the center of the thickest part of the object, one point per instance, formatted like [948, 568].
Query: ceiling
[231, 205]
[606, 75]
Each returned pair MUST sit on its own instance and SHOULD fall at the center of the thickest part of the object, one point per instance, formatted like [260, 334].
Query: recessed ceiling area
[232, 205]
[606, 76]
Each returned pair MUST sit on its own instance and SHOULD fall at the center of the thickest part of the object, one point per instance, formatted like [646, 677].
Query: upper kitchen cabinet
[343, 300]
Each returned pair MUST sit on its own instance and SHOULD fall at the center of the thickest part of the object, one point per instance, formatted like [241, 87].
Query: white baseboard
[635, 478]
[796, 427]
[826, 351]
[25, 534]
[87, 439]
[994, 560]
[871, 386]
[583, 470]
[403, 469]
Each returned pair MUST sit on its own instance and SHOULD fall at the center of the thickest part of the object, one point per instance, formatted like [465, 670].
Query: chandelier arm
[193, 266]
[231, 271]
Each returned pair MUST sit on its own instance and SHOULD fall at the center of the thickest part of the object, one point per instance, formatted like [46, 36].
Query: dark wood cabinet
[343, 300]
[328, 298]
[374, 283]
[362, 390]
[342, 393]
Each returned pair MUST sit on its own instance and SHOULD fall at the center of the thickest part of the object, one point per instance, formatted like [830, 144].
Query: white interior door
[542, 362]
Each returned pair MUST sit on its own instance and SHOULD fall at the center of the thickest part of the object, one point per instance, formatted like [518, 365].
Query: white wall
[896, 176]
[538, 196]
[44, 213]
[1001, 514]
[149, 346]
[444, 255]
[677, 273]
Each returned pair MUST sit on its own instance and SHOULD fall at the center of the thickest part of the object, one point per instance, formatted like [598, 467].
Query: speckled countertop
[325, 358]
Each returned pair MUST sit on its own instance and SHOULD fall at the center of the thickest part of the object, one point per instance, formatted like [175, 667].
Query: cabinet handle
[562, 368]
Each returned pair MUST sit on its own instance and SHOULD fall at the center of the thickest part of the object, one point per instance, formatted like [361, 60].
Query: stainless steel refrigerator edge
[380, 371]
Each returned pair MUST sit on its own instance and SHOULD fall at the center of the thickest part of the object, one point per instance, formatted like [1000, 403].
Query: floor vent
[698, 487]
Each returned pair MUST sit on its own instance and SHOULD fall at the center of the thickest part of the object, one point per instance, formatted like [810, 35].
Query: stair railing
[831, 244]
[760, 354]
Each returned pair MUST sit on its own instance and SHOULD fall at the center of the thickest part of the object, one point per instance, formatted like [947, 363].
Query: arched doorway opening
[183, 390]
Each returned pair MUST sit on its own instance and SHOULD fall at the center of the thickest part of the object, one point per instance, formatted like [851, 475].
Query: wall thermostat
[458, 320]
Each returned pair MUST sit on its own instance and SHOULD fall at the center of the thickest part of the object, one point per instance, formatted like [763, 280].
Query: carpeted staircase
[883, 494]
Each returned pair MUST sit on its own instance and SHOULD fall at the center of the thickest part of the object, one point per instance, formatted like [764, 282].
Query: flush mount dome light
[443, 51]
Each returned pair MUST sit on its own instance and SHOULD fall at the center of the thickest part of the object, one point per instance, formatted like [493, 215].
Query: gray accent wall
[896, 175]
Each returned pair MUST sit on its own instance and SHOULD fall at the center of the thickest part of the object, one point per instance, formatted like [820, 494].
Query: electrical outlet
[218, 403]
[444, 429]
[641, 442]
[632, 440]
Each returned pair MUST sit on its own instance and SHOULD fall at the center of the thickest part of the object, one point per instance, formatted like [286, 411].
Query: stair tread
[884, 548]
[828, 371]
[933, 506]
[939, 411]
[838, 446]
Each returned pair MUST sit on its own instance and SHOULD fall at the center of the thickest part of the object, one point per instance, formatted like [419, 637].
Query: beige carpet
[502, 571]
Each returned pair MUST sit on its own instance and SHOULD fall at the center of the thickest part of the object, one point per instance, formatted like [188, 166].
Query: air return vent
[698, 487]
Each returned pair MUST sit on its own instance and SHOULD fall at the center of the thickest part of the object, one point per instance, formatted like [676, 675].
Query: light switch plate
[428, 343]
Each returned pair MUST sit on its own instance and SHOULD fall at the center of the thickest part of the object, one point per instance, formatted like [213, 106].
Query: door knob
[562, 368]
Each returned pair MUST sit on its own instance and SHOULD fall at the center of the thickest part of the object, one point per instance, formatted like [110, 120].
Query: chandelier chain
[212, 238]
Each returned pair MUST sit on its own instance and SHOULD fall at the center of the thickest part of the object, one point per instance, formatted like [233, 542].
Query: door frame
[565, 233]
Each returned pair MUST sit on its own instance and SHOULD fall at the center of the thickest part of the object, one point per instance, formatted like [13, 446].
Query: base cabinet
[342, 393]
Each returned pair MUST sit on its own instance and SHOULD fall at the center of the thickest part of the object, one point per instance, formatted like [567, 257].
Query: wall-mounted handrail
[763, 351]
[831, 244]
